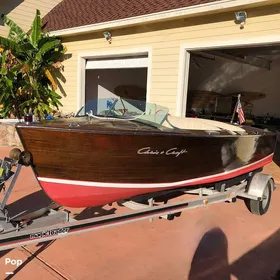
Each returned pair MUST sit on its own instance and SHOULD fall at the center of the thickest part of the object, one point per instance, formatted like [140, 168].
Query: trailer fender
[258, 183]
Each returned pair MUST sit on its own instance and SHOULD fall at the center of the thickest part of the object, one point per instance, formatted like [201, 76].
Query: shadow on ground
[210, 260]
[262, 262]
[27, 203]
[94, 212]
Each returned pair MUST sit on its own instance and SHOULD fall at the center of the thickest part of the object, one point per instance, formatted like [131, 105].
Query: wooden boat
[249, 96]
[116, 149]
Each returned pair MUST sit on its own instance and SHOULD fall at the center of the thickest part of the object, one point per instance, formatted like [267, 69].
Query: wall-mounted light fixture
[240, 18]
[107, 36]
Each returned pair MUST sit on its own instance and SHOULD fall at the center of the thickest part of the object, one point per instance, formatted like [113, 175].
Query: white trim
[149, 75]
[184, 63]
[122, 62]
[165, 15]
[115, 53]
[210, 44]
[141, 186]
[83, 56]
[81, 82]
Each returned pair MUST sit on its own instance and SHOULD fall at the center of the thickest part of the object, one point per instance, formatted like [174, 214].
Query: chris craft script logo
[171, 152]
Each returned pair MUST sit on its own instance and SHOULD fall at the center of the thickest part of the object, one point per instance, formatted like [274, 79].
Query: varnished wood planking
[90, 153]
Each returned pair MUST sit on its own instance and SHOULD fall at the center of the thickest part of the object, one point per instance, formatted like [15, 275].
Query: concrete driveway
[222, 241]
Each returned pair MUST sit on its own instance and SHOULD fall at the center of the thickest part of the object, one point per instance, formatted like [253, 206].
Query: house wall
[165, 39]
[23, 11]
[229, 77]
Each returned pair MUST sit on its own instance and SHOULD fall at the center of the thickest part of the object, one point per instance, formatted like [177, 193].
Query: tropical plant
[31, 66]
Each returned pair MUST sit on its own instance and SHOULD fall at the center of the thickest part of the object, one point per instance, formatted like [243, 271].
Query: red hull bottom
[80, 194]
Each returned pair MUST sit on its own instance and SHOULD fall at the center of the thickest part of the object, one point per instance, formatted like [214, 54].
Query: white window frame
[83, 57]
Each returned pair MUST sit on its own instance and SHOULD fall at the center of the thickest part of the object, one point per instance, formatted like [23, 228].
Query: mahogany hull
[81, 168]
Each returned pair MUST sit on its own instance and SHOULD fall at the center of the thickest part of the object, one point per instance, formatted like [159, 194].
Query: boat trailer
[53, 222]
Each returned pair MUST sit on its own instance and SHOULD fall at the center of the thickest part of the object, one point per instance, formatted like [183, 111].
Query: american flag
[240, 112]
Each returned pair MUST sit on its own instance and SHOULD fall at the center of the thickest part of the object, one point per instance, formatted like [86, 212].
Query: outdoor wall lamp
[240, 18]
[107, 36]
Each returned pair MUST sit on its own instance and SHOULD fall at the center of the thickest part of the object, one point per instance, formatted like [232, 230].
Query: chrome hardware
[73, 125]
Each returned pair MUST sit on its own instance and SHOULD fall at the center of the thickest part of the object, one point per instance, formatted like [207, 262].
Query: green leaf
[16, 68]
[3, 58]
[16, 33]
[36, 30]
[26, 103]
[46, 47]
[45, 38]
[59, 103]
[10, 44]
[3, 71]
[5, 95]
[45, 107]
[9, 83]
[27, 47]
[1, 97]
[6, 110]
[55, 94]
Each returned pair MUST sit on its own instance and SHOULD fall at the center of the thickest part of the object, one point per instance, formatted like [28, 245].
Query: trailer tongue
[53, 222]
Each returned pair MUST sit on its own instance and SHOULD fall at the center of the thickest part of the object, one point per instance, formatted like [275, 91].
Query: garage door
[117, 63]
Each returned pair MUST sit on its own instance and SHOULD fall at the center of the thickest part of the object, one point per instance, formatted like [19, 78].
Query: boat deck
[187, 126]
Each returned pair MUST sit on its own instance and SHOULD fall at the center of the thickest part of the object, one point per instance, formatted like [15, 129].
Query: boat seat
[199, 124]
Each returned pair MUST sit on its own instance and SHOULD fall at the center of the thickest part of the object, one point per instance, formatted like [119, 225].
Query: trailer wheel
[260, 207]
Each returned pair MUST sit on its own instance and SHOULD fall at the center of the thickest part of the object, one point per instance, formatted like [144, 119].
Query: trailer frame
[51, 223]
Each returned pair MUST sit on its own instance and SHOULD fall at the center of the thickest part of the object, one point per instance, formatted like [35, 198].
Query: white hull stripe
[146, 185]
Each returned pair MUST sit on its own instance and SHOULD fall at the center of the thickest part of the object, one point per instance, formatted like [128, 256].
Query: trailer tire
[260, 207]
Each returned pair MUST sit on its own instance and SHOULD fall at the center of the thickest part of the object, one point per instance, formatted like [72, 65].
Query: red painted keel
[80, 194]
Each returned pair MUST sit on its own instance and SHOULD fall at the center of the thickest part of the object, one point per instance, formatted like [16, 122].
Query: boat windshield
[124, 109]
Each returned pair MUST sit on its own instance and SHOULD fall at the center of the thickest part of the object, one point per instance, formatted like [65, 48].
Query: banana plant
[31, 65]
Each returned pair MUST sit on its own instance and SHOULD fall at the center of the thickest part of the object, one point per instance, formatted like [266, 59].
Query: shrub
[31, 64]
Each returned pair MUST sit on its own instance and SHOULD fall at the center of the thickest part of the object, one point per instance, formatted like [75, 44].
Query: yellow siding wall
[165, 40]
[23, 13]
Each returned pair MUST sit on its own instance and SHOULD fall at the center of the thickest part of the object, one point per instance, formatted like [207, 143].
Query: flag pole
[238, 98]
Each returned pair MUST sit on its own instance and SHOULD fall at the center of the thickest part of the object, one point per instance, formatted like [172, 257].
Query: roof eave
[165, 15]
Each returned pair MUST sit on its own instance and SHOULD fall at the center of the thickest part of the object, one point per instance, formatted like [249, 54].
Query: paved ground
[223, 241]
